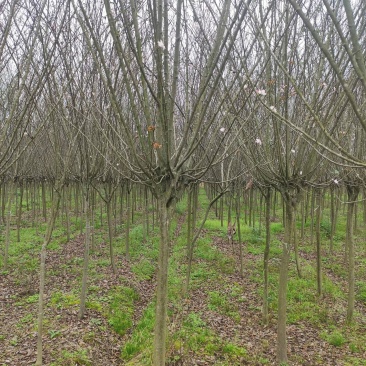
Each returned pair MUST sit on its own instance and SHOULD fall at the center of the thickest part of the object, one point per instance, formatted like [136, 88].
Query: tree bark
[318, 246]
[239, 234]
[352, 191]
[159, 352]
[128, 223]
[42, 273]
[110, 232]
[20, 210]
[283, 280]
[8, 221]
[84, 284]
[189, 239]
[266, 255]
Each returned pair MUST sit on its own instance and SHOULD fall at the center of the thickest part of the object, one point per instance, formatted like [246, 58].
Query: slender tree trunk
[67, 204]
[27, 194]
[20, 210]
[82, 204]
[332, 221]
[44, 203]
[229, 201]
[303, 220]
[8, 221]
[146, 192]
[133, 203]
[266, 255]
[312, 217]
[318, 245]
[239, 234]
[250, 207]
[160, 334]
[121, 197]
[110, 233]
[283, 279]
[355, 217]
[92, 219]
[222, 212]
[153, 211]
[84, 284]
[42, 273]
[3, 202]
[33, 203]
[246, 198]
[307, 204]
[128, 224]
[193, 224]
[195, 207]
[189, 239]
[260, 214]
[76, 199]
[296, 243]
[254, 204]
[353, 192]
[115, 205]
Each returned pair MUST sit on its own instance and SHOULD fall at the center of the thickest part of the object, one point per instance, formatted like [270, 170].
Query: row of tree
[166, 94]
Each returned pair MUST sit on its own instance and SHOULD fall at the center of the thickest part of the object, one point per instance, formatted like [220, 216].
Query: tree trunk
[332, 221]
[266, 255]
[312, 217]
[42, 273]
[84, 284]
[260, 214]
[67, 211]
[8, 221]
[159, 351]
[33, 203]
[352, 197]
[189, 239]
[44, 203]
[239, 235]
[318, 245]
[128, 223]
[303, 220]
[3, 202]
[20, 210]
[296, 243]
[110, 233]
[283, 279]
[222, 212]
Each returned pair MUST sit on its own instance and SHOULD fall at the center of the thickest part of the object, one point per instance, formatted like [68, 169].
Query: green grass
[144, 269]
[196, 336]
[219, 302]
[121, 309]
[68, 358]
[335, 337]
[140, 342]
[60, 299]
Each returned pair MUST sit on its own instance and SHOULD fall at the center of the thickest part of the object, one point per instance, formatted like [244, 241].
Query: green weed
[121, 309]
[64, 300]
[79, 357]
[141, 338]
[335, 338]
[144, 269]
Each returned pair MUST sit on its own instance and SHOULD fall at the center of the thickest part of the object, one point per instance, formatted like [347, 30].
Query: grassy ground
[219, 323]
